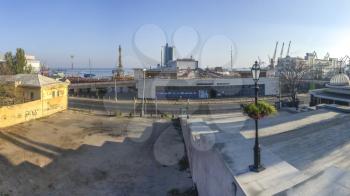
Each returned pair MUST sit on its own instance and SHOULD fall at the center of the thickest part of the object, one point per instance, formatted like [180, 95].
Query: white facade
[184, 64]
[271, 84]
[34, 63]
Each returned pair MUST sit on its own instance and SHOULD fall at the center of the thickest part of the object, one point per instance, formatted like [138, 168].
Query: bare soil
[75, 153]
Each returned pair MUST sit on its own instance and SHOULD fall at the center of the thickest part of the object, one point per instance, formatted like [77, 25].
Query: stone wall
[14, 114]
[209, 171]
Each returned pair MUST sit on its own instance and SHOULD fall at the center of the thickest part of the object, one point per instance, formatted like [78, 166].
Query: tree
[6, 68]
[292, 71]
[20, 62]
[28, 69]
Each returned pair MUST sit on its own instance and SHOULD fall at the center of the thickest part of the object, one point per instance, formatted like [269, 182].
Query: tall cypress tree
[20, 61]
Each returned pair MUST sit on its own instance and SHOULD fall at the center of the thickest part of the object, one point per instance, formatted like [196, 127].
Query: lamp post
[188, 108]
[256, 167]
[115, 90]
[143, 93]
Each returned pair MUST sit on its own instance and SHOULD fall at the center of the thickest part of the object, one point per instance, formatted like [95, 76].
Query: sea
[98, 72]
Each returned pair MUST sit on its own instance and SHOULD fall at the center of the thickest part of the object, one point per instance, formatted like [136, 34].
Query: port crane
[273, 59]
[288, 48]
[343, 62]
[282, 50]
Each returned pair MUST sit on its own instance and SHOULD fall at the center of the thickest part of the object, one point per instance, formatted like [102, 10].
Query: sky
[53, 30]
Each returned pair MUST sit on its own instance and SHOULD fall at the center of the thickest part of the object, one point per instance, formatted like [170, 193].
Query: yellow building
[40, 96]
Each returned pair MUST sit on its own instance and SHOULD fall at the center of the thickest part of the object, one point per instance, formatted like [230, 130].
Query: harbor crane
[288, 48]
[273, 60]
[326, 57]
[282, 50]
[343, 62]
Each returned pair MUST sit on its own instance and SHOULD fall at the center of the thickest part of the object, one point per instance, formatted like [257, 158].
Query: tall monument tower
[120, 71]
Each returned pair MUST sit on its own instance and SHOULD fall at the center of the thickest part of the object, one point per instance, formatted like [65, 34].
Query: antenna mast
[231, 60]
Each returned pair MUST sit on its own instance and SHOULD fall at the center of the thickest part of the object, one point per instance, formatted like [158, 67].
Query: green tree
[7, 68]
[28, 69]
[20, 61]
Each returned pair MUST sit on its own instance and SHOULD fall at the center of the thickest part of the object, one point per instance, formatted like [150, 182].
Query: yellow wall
[11, 115]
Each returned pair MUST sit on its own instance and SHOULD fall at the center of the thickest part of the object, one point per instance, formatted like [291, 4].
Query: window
[53, 94]
[58, 93]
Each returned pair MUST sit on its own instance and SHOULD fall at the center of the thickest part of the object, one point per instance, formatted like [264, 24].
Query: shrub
[260, 110]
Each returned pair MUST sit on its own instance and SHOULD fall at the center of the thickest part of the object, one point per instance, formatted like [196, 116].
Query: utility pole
[143, 93]
[115, 90]
[134, 106]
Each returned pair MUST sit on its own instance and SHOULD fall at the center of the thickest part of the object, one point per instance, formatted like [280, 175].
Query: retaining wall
[209, 171]
[11, 115]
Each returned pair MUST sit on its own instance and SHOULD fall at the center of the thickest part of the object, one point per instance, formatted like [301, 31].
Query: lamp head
[255, 71]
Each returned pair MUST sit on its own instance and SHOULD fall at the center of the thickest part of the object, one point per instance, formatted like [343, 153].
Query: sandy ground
[74, 153]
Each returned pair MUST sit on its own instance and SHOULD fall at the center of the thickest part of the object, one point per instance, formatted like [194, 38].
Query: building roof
[32, 80]
[340, 79]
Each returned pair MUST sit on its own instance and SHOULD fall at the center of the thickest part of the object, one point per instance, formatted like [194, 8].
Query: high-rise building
[168, 54]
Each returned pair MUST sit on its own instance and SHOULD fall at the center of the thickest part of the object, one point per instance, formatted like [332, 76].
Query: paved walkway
[305, 153]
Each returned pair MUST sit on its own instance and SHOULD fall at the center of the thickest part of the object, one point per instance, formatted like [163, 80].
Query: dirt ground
[75, 153]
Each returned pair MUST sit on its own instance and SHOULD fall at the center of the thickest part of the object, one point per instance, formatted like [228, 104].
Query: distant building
[180, 68]
[2, 59]
[319, 68]
[34, 63]
[183, 64]
[247, 73]
[337, 91]
[168, 54]
[205, 88]
[39, 96]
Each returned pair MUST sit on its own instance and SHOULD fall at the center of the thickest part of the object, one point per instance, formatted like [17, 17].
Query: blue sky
[52, 30]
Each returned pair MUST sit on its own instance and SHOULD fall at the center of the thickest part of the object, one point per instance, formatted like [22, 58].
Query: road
[169, 108]
[166, 106]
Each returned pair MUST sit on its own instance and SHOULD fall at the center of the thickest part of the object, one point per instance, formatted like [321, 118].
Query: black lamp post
[257, 167]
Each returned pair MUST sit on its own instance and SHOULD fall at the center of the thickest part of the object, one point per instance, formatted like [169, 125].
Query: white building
[205, 88]
[319, 68]
[183, 64]
[33, 62]
[337, 91]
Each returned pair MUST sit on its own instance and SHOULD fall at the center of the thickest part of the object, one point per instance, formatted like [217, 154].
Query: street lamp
[257, 167]
[115, 90]
[143, 93]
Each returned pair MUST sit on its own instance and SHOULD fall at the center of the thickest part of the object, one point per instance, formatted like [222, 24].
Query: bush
[260, 110]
